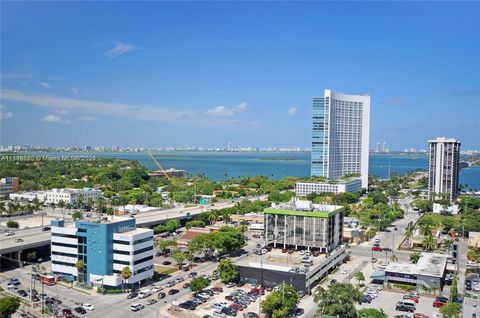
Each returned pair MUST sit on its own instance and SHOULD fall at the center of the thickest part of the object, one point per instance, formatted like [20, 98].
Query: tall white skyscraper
[443, 168]
[340, 135]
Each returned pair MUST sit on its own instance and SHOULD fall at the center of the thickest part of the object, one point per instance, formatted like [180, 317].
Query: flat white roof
[443, 139]
[429, 264]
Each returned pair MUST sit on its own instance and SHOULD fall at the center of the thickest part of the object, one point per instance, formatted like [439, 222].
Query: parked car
[171, 283]
[230, 285]
[252, 315]
[166, 263]
[236, 307]
[411, 297]
[219, 314]
[440, 302]
[151, 302]
[376, 249]
[190, 305]
[192, 274]
[419, 315]
[366, 299]
[173, 291]
[132, 295]
[80, 310]
[405, 305]
[88, 307]
[136, 307]
[67, 313]
[9, 233]
[156, 289]
[46, 228]
[161, 295]
[333, 282]
[229, 311]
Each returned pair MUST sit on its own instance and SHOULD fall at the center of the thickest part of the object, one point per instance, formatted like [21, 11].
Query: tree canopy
[8, 306]
[228, 271]
[338, 300]
[279, 303]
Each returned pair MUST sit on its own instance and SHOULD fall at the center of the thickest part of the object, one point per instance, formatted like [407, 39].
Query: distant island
[279, 158]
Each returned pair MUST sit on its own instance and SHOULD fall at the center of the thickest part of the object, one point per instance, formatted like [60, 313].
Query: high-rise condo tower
[340, 136]
[443, 168]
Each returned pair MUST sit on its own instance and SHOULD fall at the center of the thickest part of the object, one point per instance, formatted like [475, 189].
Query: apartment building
[303, 189]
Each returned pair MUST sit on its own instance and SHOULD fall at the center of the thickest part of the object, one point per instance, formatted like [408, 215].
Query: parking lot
[388, 299]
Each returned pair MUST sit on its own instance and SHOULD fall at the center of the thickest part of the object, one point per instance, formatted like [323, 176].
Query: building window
[143, 240]
[143, 260]
[121, 242]
[143, 250]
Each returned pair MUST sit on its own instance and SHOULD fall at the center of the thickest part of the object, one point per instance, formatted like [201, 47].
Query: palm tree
[126, 274]
[212, 217]
[409, 235]
[429, 243]
[68, 206]
[61, 205]
[36, 204]
[90, 203]
[80, 265]
[100, 205]
[80, 201]
[2, 207]
[447, 244]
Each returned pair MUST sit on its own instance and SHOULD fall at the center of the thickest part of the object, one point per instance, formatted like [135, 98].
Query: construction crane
[158, 165]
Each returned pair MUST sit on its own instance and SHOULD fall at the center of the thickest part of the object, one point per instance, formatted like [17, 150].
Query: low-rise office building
[72, 196]
[105, 247]
[8, 185]
[170, 173]
[429, 272]
[302, 224]
[67, 195]
[303, 189]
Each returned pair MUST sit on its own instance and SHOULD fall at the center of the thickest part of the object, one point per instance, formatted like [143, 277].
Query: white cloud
[121, 48]
[4, 114]
[45, 84]
[88, 118]
[75, 90]
[292, 111]
[51, 118]
[242, 107]
[99, 108]
[220, 111]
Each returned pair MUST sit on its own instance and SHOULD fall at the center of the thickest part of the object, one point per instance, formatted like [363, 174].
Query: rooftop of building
[135, 231]
[304, 208]
[72, 190]
[331, 181]
[107, 220]
[443, 139]
[276, 260]
[429, 264]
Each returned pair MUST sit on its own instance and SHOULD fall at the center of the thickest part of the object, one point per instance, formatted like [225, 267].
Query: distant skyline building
[377, 147]
[443, 168]
[340, 135]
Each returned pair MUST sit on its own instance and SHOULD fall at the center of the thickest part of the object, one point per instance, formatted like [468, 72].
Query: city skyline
[176, 78]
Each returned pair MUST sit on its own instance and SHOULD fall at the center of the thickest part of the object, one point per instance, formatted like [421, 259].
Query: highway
[35, 237]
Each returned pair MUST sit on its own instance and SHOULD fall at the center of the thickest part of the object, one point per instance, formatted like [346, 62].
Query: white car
[156, 289]
[88, 307]
[344, 272]
[472, 264]
[217, 306]
[218, 313]
[136, 307]
[9, 233]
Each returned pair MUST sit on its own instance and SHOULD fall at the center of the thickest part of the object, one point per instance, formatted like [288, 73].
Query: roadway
[35, 237]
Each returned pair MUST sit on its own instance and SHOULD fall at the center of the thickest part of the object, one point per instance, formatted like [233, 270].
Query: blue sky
[208, 73]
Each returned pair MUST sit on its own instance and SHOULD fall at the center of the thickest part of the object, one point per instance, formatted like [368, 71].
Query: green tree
[429, 243]
[32, 256]
[13, 224]
[414, 257]
[473, 255]
[359, 277]
[338, 300]
[198, 283]
[172, 225]
[279, 303]
[409, 232]
[77, 215]
[80, 265]
[80, 201]
[454, 288]
[8, 306]
[179, 257]
[451, 310]
[371, 313]
[61, 205]
[126, 274]
[228, 271]
[164, 244]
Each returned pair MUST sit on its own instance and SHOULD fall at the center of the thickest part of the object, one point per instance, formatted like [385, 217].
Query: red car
[419, 315]
[410, 297]
[377, 249]
[67, 313]
[440, 302]
[236, 307]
